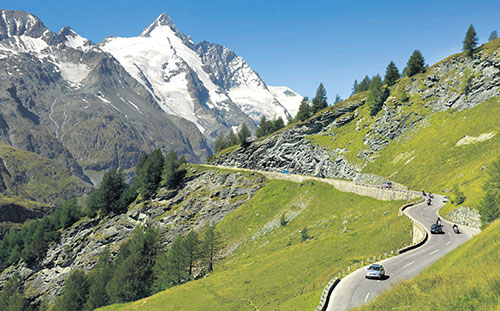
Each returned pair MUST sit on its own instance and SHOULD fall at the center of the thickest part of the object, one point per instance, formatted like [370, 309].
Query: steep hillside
[205, 197]
[436, 130]
[465, 279]
[270, 266]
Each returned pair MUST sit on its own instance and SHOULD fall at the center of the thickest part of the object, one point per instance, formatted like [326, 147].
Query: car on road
[436, 229]
[375, 271]
[446, 199]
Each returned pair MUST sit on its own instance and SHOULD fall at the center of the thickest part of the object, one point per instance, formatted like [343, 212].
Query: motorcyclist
[423, 193]
[455, 228]
[438, 221]
[429, 202]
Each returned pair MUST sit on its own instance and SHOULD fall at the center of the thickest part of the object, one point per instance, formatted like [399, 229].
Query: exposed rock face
[291, 150]
[64, 98]
[465, 216]
[460, 82]
[205, 198]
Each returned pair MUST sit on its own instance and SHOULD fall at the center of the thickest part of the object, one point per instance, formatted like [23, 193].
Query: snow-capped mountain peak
[74, 40]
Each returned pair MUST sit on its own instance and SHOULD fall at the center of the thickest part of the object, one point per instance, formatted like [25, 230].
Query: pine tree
[338, 99]
[172, 172]
[243, 134]
[219, 143]
[493, 36]
[489, 209]
[354, 87]
[304, 110]
[133, 274]
[391, 74]
[416, 64]
[319, 101]
[107, 197]
[363, 85]
[231, 139]
[74, 292]
[98, 280]
[470, 41]
[262, 128]
[11, 295]
[376, 96]
[211, 246]
[278, 124]
[192, 250]
[151, 174]
[177, 262]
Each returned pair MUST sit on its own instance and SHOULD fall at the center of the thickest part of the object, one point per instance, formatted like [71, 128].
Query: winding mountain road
[355, 290]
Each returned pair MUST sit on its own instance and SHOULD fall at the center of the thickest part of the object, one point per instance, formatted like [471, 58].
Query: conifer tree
[262, 128]
[107, 197]
[133, 274]
[354, 87]
[363, 85]
[211, 246]
[319, 101]
[338, 99]
[416, 64]
[176, 272]
[376, 96]
[278, 124]
[172, 173]
[470, 41]
[151, 174]
[243, 134]
[98, 280]
[192, 250]
[489, 207]
[391, 74]
[11, 295]
[219, 143]
[493, 36]
[231, 139]
[304, 110]
[74, 292]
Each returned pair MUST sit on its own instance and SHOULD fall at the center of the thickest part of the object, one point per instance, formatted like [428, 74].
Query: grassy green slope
[431, 158]
[468, 278]
[272, 268]
[35, 179]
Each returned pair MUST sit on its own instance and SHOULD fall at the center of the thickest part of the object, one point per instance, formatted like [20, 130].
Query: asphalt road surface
[355, 290]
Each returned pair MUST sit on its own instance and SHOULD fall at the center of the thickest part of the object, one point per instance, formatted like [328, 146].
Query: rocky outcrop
[207, 197]
[460, 82]
[291, 149]
[465, 216]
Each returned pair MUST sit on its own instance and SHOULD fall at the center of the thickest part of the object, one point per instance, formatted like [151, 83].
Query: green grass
[36, 178]
[431, 159]
[273, 268]
[468, 278]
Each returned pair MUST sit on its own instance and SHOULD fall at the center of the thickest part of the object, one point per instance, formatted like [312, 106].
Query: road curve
[355, 290]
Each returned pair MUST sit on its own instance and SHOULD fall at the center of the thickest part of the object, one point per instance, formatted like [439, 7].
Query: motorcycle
[429, 202]
[455, 229]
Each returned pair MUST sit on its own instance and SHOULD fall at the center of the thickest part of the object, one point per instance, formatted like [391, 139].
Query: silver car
[375, 271]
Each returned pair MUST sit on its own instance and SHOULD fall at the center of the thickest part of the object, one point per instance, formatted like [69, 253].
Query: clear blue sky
[294, 43]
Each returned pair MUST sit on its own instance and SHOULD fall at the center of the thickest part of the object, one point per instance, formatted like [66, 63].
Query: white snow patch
[287, 98]
[161, 60]
[257, 102]
[78, 42]
[74, 73]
